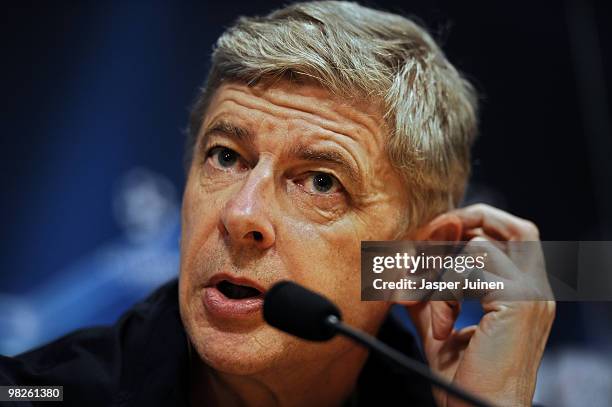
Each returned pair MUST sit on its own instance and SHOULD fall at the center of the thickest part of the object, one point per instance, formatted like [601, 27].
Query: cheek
[318, 256]
[327, 260]
[200, 216]
[191, 211]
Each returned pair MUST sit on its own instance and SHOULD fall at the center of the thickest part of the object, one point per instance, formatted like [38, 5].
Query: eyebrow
[307, 153]
[229, 129]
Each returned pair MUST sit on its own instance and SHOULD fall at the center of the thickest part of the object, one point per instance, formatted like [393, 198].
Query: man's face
[286, 181]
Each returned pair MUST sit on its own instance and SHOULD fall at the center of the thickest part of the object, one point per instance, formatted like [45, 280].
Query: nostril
[257, 236]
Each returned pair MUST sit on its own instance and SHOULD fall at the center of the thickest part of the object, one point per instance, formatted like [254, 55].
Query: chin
[240, 352]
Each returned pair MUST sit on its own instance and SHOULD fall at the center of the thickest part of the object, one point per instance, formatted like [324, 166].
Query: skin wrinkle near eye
[263, 158]
[326, 216]
[367, 199]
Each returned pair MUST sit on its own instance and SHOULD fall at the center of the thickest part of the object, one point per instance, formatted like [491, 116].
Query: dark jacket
[143, 360]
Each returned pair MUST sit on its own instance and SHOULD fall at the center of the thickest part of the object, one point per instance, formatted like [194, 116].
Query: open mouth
[236, 291]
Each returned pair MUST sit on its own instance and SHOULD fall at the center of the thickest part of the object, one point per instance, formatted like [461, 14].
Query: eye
[223, 157]
[321, 182]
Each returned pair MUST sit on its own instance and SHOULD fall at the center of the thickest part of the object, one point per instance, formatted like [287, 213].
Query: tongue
[237, 292]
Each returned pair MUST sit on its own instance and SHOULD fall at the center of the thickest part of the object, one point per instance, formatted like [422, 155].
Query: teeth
[237, 292]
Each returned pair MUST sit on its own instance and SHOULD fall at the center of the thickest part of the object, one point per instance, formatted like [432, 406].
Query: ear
[446, 227]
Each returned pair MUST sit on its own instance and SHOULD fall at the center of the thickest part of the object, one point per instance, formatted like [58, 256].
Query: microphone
[303, 313]
[296, 310]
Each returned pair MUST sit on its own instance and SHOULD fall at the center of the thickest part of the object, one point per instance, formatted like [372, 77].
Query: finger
[493, 233]
[478, 232]
[496, 222]
[421, 318]
[443, 317]
[465, 334]
[496, 262]
[528, 256]
[406, 303]
[519, 259]
[528, 283]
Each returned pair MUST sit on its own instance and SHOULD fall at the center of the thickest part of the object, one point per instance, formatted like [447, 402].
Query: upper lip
[217, 278]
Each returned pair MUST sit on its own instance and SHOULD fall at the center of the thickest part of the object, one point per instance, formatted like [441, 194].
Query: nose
[245, 218]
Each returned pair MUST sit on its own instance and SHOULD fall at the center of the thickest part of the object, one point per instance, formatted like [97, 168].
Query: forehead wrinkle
[335, 117]
[329, 114]
[366, 142]
[300, 125]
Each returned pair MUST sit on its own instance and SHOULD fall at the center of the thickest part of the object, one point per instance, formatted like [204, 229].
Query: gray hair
[430, 110]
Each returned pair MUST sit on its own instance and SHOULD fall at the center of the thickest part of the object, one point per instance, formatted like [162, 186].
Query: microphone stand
[409, 364]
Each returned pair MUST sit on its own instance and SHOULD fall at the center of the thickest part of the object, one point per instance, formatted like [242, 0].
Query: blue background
[95, 100]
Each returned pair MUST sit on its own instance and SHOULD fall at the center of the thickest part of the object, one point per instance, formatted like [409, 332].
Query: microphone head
[298, 311]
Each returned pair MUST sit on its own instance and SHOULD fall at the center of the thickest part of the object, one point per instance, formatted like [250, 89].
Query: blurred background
[96, 97]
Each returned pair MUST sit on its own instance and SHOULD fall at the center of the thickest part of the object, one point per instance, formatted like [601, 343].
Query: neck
[320, 383]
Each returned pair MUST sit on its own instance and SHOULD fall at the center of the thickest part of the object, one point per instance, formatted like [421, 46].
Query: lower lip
[218, 304]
